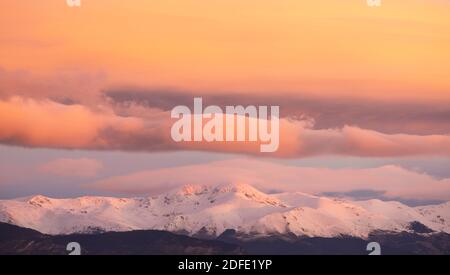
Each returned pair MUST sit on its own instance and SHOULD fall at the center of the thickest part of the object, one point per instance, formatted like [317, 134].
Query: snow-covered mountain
[213, 209]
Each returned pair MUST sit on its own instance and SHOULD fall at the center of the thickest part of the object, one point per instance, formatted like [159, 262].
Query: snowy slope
[213, 209]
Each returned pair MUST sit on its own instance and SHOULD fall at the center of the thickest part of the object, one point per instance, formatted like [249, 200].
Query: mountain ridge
[213, 209]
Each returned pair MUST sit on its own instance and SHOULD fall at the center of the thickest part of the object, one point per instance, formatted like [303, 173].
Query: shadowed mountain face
[403, 243]
[17, 240]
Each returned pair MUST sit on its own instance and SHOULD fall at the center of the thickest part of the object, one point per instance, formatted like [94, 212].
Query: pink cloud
[66, 167]
[392, 181]
[63, 85]
[45, 123]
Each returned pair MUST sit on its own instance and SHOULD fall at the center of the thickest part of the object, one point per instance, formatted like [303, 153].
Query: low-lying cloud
[383, 182]
[69, 167]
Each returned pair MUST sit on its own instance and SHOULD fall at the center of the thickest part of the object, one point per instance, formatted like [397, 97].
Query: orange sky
[90, 89]
[326, 47]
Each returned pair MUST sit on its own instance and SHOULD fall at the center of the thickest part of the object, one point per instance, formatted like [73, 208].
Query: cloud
[45, 123]
[67, 167]
[386, 181]
[361, 194]
[64, 86]
[406, 115]
[367, 194]
[395, 116]
[355, 141]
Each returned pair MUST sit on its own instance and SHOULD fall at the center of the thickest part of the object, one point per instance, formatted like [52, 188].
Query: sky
[364, 95]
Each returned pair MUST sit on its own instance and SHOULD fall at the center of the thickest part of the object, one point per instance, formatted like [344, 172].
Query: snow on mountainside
[213, 209]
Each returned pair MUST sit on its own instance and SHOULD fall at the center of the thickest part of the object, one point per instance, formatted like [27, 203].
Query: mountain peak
[196, 189]
[220, 193]
[39, 200]
[241, 188]
[192, 189]
[247, 192]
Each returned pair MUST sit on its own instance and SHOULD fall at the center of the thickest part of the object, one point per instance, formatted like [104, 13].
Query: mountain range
[207, 211]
